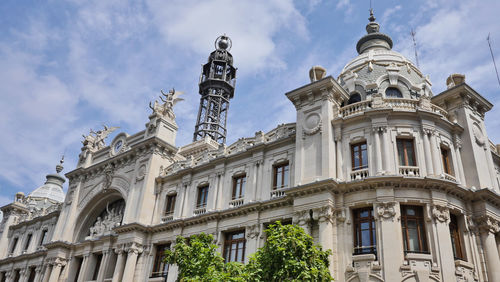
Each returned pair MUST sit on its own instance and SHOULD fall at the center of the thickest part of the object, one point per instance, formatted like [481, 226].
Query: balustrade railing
[359, 174]
[409, 170]
[167, 217]
[356, 108]
[402, 104]
[236, 203]
[449, 177]
[278, 193]
[200, 210]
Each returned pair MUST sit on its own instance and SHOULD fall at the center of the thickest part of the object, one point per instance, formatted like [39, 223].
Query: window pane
[365, 238]
[364, 156]
[285, 177]
[410, 153]
[364, 213]
[413, 240]
[401, 152]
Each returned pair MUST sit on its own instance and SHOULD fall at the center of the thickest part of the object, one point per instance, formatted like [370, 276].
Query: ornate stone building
[401, 184]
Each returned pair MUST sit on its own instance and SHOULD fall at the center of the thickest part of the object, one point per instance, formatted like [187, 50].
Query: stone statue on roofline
[169, 100]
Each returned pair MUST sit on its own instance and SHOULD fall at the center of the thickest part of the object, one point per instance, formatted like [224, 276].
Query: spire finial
[59, 167]
[372, 17]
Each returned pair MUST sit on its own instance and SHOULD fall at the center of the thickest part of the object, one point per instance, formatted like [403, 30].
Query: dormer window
[393, 92]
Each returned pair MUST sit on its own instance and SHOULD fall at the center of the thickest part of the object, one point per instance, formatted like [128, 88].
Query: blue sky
[69, 66]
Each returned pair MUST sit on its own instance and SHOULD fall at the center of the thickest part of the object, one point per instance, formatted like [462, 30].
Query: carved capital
[134, 248]
[252, 231]
[324, 214]
[440, 213]
[302, 217]
[339, 215]
[386, 210]
[488, 224]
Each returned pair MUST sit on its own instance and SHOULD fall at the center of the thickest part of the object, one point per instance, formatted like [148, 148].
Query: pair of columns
[125, 271]
[381, 148]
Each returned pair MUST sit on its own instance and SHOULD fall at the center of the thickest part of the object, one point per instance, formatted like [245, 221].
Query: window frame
[228, 246]
[13, 246]
[398, 91]
[241, 188]
[170, 204]
[285, 175]
[45, 231]
[357, 231]
[446, 160]
[456, 239]
[159, 263]
[27, 241]
[202, 197]
[404, 142]
[360, 153]
[423, 246]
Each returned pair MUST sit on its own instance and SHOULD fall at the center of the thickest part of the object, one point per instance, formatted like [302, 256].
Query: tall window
[239, 186]
[42, 238]
[445, 156]
[234, 247]
[413, 226]
[406, 152]
[27, 242]
[169, 208]
[281, 175]
[32, 273]
[456, 241]
[365, 241]
[14, 245]
[97, 266]
[202, 196]
[359, 156]
[160, 268]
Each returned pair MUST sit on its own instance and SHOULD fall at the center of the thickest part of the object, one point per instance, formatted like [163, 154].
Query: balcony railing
[359, 174]
[356, 108]
[167, 217]
[200, 210]
[449, 177]
[278, 193]
[236, 203]
[401, 104]
[409, 170]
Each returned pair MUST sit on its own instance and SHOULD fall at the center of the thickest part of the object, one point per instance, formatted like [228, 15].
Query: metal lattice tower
[217, 81]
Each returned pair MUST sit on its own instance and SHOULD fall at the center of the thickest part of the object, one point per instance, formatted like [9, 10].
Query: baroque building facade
[401, 184]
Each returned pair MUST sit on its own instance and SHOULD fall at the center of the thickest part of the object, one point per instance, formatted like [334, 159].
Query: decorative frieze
[252, 231]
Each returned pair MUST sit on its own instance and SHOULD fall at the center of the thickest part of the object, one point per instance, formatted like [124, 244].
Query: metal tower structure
[216, 87]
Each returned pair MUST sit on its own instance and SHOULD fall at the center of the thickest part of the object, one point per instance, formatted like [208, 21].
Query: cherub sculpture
[95, 139]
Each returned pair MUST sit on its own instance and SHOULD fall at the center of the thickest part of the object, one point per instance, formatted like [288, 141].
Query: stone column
[441, 216]
[436, 155]
[427, 152]
[387, 153]
[252, 233]
[303, 218]
[133, 252]
[23, 275]
[56, 269]
[38, 271]
[487, 228]
[378, 150]
[117, 275]
[390, 231]
[457, 143]
[83, 268]
[46, 276]
[324, 216]
[103, 266]
[338, 140]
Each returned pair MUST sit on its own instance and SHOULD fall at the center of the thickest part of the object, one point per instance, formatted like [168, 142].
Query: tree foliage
[288, 254]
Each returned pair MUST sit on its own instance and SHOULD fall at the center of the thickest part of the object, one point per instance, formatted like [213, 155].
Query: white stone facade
[140, 192]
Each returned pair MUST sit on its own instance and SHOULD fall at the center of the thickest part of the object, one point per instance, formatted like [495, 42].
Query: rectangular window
[239, 186]
[456, 241]
[14, 245]
[365, 239]
[160, 268]
[27, 242]
[234, 247]
[32, 273]
[445, 156]
[42, 238]
[281, 175]
[406, 152]
[97, 266]
[169, 208]
[413, 227]
[202, 197]
[359, 156]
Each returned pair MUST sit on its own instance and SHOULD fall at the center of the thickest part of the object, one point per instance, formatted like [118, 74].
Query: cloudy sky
[69, 66]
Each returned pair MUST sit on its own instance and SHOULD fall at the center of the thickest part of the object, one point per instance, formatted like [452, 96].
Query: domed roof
[52, 189]
[378, 66]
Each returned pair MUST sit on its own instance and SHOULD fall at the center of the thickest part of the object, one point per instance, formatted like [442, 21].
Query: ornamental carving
[107, 220]
[478, 134]
[340, 215]
[252, 231]
[141, 173]
[312, 124]
[166, 109]
[108, 176]
[387, 210]
[440, 213]
[302, 217]
[488, 224]
[324, 214]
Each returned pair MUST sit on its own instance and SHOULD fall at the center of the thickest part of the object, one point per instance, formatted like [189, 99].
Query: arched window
[354, 98]
[393, 92]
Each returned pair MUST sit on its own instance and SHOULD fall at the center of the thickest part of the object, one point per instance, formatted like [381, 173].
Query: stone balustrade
[236, 203]
[278, 193]
[409, 170]
[200, 211]
[359, 174]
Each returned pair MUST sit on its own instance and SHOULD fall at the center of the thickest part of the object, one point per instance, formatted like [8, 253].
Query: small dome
[49, 191]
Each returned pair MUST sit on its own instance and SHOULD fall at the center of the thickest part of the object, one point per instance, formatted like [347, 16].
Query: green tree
[289, 254]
